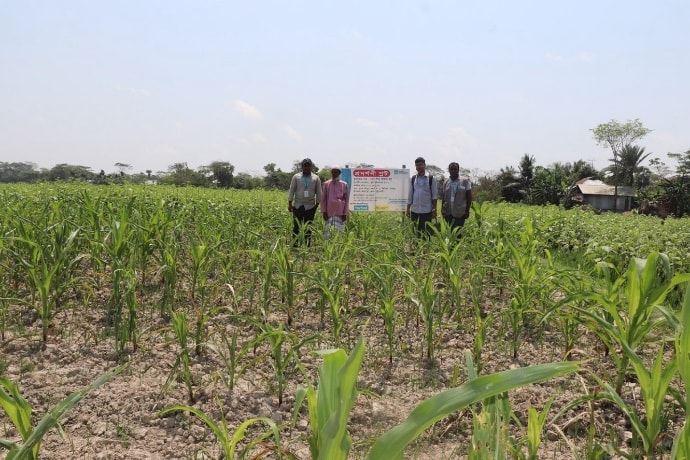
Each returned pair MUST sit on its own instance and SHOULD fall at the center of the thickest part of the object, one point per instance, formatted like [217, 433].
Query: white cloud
[584, 56]
[254, 139]
[131, 90]
[554, 57]
[291, 133]
[365, 123]
[247, 110]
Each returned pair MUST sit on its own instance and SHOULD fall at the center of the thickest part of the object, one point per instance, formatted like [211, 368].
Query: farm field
[198, 298]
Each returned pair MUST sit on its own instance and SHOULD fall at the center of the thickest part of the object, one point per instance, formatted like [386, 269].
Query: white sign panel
[377, 189]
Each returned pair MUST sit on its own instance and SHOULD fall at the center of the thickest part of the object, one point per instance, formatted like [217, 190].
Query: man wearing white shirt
[422, 199]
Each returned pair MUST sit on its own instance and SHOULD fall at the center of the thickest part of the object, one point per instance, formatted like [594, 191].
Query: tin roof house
[602, 196]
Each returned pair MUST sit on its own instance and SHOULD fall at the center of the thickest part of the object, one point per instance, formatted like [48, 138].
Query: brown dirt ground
[119, 420]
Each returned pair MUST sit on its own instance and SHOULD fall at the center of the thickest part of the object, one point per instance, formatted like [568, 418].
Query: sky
[152, 83]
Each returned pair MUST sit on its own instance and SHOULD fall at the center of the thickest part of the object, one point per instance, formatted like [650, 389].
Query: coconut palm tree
[627, 164]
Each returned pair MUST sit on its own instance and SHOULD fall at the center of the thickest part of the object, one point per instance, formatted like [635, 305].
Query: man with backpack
[456, 200]
[422, 198]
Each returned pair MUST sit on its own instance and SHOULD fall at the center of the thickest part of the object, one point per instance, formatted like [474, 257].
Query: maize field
[157, 322]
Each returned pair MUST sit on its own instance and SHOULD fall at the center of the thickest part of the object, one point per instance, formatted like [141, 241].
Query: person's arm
[346, 212]
[444, 201]
[434, 195]
[324, 198]
[317, 190]
[469, 204]
[291, 193]
[409, 198]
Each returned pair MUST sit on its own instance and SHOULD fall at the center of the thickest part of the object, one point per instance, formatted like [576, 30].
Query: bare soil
[120, 419]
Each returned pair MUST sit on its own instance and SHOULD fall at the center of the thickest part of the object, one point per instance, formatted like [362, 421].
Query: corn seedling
[182, 365]
[628, 307]
[283, 352]
[426, 299]
[387, 297]
[285, 268]
[120, 248]
[230, 441]
[681, 443]
[20, 414]
[46, 268]
[201, 266]
[328, 278]
[527, 278]
[391, 445]
[330, 405]
[231, 354]
[490, 423]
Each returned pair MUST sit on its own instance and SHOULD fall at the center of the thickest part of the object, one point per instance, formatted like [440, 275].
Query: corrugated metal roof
[599, 188]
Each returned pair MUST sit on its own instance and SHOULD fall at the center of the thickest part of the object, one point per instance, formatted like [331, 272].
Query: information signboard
[377, 189]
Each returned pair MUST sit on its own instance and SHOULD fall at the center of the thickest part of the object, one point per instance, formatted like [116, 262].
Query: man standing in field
[422, 199]
[305, 192]
[457, 197]
[336, 202]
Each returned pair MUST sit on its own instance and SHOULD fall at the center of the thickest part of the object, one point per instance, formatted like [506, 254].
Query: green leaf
[391, 445]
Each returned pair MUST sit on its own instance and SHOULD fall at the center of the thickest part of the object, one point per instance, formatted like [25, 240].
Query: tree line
[529, 183]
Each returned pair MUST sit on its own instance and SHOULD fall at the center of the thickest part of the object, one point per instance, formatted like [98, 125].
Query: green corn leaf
[335, 397]
[391, 445]
[32, 443]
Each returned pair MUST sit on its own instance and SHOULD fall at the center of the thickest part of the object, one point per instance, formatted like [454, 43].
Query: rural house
[601, 196]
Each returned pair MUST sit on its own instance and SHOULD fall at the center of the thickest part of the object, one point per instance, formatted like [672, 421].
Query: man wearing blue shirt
[422, 198]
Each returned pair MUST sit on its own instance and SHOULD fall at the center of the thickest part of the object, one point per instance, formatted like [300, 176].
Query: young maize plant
[392, 444]
[283, 351]
[631, 307]
[182, 365]
[19, 412]
[230, 440]
[427, 301]
[49, 267]
[330, 404]
[681, 443]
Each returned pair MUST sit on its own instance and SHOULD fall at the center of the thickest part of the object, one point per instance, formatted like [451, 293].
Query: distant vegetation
[530, 183]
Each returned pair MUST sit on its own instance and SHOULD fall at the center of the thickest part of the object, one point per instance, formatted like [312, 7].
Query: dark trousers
[455, 222]
[302, 218]
[422, 224]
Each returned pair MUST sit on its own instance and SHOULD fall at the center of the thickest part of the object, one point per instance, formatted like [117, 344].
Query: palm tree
[627, 164]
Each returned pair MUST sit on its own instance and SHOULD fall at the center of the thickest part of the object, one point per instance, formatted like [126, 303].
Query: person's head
[335, 171]
[420, 165]
[306, 166]
[454, 170]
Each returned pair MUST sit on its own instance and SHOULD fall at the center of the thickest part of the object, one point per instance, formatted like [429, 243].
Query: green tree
[244, 181]
[526, 166]
[65, 172]
[277, 179]
[180, 174]
[675, 191]
[18, 172]
[582, 169]
[616, 135]
[628, 165]
[221, 173]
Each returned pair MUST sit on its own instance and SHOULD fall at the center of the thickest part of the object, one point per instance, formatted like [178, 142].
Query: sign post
[377, 189]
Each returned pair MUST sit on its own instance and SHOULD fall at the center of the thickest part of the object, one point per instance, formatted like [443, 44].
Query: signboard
[377, 189]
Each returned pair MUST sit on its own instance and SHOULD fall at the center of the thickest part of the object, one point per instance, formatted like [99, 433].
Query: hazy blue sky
[152, 83]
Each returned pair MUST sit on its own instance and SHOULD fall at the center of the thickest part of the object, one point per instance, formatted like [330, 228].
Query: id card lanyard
[306, 181]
